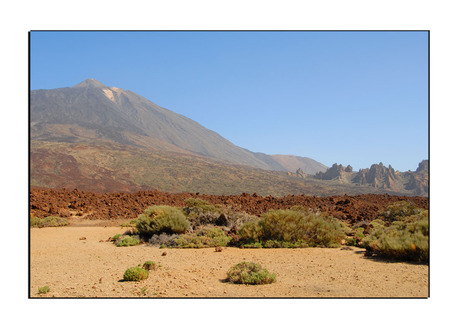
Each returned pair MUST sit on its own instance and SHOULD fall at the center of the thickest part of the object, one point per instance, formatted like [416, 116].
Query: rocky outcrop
[381, 177]
[423, 167]
[335, 172]
[378, 176]
[418, 180]
[300, 173]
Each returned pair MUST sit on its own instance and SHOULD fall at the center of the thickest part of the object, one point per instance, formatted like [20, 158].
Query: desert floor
[77, 267]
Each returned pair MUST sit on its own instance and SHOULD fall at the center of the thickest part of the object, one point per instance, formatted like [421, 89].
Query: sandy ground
[74, 267]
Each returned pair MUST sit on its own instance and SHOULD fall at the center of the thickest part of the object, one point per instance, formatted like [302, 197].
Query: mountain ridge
[118, 114]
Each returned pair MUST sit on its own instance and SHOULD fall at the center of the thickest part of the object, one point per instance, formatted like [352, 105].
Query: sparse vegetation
[135, 274]
[131, 223]
[163, 240]
[44, 290]
[205, 237]
[250, 273]
[150, 265]
[116, 237]
[49, 221]
[200, 212]
[404, 237]
[161, 219]
[126, 241]
[399, 210]
[293, 228]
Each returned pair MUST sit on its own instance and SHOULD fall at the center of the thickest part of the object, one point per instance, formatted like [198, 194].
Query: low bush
[399, 210]
[161, 219]
[150, 265]
[198, 206]
[135, 274]
[200, 212]
[297, 228]
[205, 237]
[131, 223]
[49, 221]
[43, 290]
[127, 241]
[251, 231]
[356, 237]
[250, 273]
[117, 236]
[406, 238]
[164, 240]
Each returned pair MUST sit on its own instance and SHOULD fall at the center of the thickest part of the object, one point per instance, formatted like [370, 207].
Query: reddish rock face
[109, 206]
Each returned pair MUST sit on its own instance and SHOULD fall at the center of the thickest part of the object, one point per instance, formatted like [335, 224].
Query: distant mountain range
[107, 139]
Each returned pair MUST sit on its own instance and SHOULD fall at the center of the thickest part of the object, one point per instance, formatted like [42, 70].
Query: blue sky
[355, 98]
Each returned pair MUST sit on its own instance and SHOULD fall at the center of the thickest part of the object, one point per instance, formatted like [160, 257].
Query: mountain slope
[109, 167]
[93, 111]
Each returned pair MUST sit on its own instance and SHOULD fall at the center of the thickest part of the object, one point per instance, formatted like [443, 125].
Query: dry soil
[77, 261]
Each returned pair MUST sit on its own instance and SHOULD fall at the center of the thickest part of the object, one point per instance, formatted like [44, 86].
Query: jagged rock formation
[381, 177]
[418, 180]
[378, 176]
[335, 172]
[299, 173]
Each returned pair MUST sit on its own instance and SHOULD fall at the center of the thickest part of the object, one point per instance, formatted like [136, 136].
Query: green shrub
[127, 241]
[205, 237]
[399, 210]
[200, 212]
[198, 206]
[285, 244]
[135, 274]
[49, 221]
[131, 223]
[295, 227]
[252, 245]
[406, 238]
[117, 236]
[250, 273]
[161, 219]
[251, 231]
[150, 265]
[43, 290]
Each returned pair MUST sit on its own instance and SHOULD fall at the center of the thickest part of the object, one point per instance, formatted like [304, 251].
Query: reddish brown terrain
[122, 206]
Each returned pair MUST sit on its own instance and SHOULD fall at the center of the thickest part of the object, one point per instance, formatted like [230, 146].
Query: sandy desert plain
[76, 261]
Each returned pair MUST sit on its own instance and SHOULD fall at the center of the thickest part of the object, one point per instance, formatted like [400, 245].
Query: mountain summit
[91, 111]
[90, 83]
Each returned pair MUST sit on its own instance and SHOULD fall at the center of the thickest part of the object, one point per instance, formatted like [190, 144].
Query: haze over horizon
[355, 98]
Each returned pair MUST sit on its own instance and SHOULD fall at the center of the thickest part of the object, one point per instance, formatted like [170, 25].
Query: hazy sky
[355, 98]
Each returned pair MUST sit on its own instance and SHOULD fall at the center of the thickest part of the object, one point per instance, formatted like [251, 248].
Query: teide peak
[92, 110]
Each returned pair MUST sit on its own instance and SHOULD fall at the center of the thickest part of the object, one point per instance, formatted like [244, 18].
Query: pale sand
[89, 268]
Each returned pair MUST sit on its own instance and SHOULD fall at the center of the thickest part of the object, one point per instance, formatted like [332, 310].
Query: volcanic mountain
[105, 139]
[91, 111]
